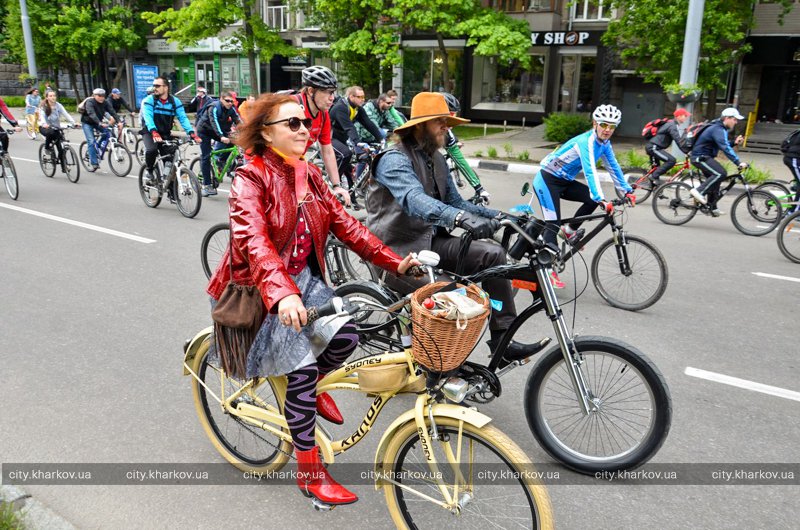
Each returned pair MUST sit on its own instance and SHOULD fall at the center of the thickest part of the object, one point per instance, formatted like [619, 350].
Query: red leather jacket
[264, 213]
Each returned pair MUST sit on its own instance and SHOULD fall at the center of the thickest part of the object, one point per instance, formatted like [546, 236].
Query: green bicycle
[234, 158]
[784, 196]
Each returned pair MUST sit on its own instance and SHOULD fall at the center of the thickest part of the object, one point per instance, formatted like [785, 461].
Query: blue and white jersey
[581, 154]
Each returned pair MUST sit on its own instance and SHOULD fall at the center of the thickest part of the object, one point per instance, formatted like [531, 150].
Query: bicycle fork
[621, 248]
[572, 356]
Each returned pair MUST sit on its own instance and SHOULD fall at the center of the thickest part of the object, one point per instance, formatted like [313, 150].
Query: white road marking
[777, 277]
[80, 224]
[742, 383]
[24, 159]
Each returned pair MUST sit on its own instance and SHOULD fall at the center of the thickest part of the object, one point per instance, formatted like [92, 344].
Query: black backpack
[652, 127]
[202, 111]
[692, 133]
[791, 144]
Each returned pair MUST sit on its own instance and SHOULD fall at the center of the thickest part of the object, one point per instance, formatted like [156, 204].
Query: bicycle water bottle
[102, 146]
[167, 169]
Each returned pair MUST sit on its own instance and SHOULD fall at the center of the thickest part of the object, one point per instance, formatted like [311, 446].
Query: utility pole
[691, 47]
[26, 33]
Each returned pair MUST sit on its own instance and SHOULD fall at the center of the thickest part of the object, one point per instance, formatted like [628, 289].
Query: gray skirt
[279, 349]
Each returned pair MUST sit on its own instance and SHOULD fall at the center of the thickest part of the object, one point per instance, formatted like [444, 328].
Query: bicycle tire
[574, 444]
[231, 437]
[151, 195]
[10, 177]
[761, 214]
[518, 498]
[789, 237]
[646, 281]
[47, 161]
[672, 203]
[212, 248]
[188, 198]
[643, 189]
[194, 165]
[140, 153]
[84, 157]
[779, 189]
[72, 168]
[120, 160]
[356, 267]
[378, 331]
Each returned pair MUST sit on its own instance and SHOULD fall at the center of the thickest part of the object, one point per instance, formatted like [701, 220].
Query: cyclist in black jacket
[344, 112]
[215, 124]
[92, 120]
[657, 145]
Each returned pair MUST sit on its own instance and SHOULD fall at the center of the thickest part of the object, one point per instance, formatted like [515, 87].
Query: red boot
[315, 481]
[326, 407]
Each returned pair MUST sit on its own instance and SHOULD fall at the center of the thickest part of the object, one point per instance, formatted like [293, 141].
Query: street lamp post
[26, 33]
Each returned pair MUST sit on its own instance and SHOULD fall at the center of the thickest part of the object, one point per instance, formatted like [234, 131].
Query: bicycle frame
[346, 378]
[219, 173]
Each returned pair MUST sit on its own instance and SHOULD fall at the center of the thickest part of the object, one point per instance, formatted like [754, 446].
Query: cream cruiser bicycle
[428, 462]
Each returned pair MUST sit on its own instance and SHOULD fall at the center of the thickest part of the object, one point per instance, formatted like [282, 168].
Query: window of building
[424, 70]
[520, 6]
[589, 10]
[509, 87]
[577, 83]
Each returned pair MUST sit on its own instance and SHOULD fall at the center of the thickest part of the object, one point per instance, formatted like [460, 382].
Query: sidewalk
[531, 139]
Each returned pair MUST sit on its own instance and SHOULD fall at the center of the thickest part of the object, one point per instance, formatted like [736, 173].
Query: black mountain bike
[593, 403]
[49, 160]
[753, 213]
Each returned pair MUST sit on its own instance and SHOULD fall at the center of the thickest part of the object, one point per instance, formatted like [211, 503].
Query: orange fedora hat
[430, 106]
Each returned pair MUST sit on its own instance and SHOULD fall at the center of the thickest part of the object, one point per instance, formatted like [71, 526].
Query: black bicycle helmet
[319, 77]
[452, 102]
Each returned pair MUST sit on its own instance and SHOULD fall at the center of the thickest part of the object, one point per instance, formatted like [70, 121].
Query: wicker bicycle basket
[437, 343]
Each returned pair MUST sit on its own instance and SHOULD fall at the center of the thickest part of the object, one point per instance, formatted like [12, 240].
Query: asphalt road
[93, 325]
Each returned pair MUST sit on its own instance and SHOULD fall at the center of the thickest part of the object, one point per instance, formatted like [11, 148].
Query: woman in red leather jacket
[281, 212]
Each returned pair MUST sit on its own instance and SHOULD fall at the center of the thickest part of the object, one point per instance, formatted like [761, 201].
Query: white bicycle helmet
[319, 77]
[607, 114]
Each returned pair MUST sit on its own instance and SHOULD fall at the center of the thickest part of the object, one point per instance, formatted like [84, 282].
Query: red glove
[196, 138]
[608, 206]
[631, 199]
[156, 136]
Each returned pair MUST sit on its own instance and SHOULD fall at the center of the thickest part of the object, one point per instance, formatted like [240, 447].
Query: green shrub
[508, 148]
[478, 154]
[634, 158]
[9, 518]
[525, 155]
[19, 102]
[754, 175]
[560, 126]
[491, 151]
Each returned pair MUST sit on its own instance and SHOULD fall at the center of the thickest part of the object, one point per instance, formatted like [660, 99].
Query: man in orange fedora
[412, 204]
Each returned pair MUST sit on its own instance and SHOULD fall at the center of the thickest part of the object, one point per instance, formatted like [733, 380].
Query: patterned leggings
[301, 394]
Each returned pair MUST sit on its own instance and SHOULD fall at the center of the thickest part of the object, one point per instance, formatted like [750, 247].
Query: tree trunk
[247, 9]
[711, 107]
[83, 80]
[73, 80]
[445, 65]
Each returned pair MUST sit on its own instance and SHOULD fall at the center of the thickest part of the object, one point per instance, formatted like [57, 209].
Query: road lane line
[742, 383]
[24, 159]
[777, 277]
[80, 224]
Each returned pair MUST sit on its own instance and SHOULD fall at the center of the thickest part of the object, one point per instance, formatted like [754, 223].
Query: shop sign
[297, 59]
[565, 38]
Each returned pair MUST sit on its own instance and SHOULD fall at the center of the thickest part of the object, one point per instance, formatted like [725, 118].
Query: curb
[525, 169]
[34, 514]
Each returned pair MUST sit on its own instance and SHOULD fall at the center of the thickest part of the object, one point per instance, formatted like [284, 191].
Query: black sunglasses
[156, 86]
[294, 123]
[228, 100]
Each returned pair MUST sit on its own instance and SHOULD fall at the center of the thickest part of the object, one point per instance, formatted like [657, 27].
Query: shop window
[501, 86]
[577, 83]
[589, 10]
[424, 70]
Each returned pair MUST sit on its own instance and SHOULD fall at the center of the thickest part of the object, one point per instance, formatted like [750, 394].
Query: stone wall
[10, 85]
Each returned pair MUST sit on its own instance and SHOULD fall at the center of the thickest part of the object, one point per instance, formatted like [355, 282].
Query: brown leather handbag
[237, 318]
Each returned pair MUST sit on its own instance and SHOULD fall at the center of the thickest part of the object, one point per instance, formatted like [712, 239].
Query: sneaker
[697, 196]
[212, 190]
[148, 178]
[716, 212]
[571, 237]
[94, 167]
[516, 351]
[556, 281]
[204, 191]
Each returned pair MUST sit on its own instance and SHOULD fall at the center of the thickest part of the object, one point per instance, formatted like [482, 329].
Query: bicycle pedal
[321, 506]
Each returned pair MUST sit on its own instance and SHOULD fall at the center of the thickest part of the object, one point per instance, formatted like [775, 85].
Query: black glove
[479, 227]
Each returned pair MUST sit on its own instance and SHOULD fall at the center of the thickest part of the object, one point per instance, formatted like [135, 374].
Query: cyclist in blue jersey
[556, 178]
[158, 114]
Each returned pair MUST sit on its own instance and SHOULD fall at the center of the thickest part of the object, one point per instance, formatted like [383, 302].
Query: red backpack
[652, 127]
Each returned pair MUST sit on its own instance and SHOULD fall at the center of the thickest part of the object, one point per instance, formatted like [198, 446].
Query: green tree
[210, 18]
[365, 36]
[648, 36]
[70, 34]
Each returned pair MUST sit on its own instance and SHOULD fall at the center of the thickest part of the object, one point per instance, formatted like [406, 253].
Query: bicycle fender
[192, 346]
[457, 412]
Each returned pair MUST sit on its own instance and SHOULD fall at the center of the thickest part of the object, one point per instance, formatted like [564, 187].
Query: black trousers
[667, 161]
[51, 136]
[344, 157]
[481, 256]
[714, 173]
[4, 140]
[794, 166]
[151, 149]
[550, 190]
